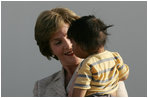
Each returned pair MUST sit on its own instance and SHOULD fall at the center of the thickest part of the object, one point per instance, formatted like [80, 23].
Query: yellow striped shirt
[100, 73]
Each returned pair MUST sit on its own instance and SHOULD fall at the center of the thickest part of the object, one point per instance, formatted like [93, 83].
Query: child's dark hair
[89, 32]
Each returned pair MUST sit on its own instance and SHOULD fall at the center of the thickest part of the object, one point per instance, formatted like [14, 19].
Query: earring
[53, 56]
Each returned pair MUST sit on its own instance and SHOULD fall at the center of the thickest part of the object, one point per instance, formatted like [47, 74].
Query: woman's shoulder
[40, 85]
[47, 80]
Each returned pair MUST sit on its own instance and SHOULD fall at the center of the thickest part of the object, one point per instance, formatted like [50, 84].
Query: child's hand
[70, 93]
[79, 92]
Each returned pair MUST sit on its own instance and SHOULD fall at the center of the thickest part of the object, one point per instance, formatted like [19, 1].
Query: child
[101, 70]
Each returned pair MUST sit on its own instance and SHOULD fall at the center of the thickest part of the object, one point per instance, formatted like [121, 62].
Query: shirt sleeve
[121, 66]
[84, 77]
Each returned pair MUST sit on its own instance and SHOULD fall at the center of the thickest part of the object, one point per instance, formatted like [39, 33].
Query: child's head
[89, 33]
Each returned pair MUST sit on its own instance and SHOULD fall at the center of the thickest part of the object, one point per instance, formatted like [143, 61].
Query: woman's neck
[69, 70]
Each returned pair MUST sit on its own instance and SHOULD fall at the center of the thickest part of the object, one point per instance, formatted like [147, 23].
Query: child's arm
[79, 92]
[75, 92]
[81, 82]
[122, 68]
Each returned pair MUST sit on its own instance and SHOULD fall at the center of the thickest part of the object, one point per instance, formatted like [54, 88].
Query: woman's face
[62, 47]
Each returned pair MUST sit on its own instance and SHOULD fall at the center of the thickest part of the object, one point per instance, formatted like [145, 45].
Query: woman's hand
[122, 92]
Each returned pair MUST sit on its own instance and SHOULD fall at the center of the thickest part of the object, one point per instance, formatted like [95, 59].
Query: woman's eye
[58, 42]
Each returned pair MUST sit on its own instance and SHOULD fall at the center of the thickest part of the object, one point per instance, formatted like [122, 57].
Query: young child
[101, 70]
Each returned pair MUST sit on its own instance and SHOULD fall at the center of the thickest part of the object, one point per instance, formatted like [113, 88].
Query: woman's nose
[68, 44]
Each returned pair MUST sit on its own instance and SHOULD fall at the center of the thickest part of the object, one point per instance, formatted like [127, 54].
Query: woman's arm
[122, 92]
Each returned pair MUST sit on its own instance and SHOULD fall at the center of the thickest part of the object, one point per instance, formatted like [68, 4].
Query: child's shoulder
[92, 58]
[100, 56]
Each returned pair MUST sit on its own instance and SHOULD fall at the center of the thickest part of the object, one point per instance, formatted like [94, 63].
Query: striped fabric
[100, 73]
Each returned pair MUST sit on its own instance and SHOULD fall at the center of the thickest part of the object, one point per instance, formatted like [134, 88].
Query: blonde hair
[48, 22]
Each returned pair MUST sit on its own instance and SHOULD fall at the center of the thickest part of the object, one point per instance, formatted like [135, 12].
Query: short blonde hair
[48, 22]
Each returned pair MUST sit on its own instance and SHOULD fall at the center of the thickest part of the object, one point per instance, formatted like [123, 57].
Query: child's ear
[83, 47]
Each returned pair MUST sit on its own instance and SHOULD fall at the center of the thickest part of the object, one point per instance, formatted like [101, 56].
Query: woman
[51, 36]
